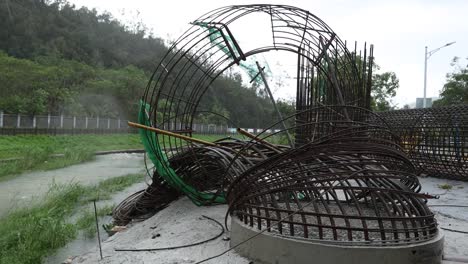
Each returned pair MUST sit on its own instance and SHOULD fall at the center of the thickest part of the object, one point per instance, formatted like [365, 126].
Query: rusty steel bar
[172, 134]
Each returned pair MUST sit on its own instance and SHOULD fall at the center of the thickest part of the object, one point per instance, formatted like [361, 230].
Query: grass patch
[211, 138]
[40, 159]
[119, 183]
[28, 235]
[16, 146]
[70, 157]
[105, 188]
[445, 186]
[39, 152]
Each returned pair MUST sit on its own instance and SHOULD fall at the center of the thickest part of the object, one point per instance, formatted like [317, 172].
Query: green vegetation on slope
[32, 28]
[60, 59]
[30, 234]
[54, 85]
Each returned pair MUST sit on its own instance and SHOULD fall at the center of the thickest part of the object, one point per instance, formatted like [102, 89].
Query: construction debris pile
[347, 176]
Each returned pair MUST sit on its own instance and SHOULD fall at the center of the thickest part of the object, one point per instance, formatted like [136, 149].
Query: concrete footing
[275, 249]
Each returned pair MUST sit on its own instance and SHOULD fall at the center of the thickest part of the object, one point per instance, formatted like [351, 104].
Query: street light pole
[427, 55]
[425, 77]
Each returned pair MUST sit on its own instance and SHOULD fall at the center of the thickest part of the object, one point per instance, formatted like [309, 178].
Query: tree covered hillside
[56, 58]
[32, 28]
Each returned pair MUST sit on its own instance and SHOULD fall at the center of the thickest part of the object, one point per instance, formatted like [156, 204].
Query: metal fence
[17, 124]
[22, 121]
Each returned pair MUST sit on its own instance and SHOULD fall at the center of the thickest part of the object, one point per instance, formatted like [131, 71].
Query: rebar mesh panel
[436, 139]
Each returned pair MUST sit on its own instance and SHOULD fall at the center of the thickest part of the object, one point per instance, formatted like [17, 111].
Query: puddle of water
[23, 189]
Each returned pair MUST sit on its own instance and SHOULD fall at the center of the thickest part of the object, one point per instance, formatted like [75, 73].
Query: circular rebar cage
[351, 184]
[211, 46]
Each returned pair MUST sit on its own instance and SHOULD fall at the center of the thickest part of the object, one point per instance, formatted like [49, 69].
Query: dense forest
[56, 58]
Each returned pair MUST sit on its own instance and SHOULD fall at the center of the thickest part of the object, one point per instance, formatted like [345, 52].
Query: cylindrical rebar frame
[436, 139]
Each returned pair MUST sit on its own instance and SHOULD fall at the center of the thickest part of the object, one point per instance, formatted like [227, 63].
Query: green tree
[455, 90]
[384, 86]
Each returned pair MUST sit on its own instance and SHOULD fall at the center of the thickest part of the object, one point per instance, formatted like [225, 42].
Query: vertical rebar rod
[97, 228]
[260, 70]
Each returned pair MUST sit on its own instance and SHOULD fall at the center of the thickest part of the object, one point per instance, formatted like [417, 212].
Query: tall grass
[30, 234]
[105, 188]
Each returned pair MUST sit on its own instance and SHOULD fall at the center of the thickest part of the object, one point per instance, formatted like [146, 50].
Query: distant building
[420, 104]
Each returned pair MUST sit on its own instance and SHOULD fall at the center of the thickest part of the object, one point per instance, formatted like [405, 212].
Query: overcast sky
[399, 30]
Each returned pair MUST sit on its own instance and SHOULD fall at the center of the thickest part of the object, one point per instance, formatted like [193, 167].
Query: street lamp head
[426, 57]
[448, 44]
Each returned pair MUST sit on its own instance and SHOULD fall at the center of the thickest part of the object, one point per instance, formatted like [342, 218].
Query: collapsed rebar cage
[327, 72]
[344, 178]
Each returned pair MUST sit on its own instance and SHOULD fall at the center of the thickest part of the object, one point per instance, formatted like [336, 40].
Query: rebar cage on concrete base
[351, 183]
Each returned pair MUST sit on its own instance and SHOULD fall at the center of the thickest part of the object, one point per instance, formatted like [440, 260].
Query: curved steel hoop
[210, 47]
